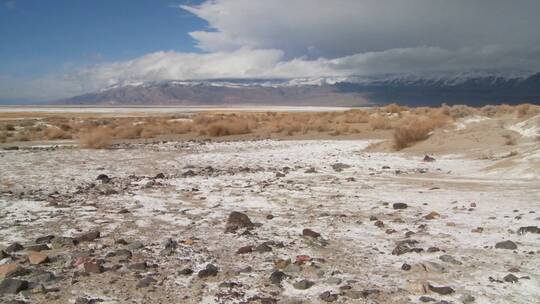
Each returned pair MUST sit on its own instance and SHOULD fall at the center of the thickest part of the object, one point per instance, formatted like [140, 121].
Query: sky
[60, 48]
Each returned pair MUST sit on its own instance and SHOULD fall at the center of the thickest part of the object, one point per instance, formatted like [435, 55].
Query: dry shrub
[98, 138]
[457, 111]
[380, 122]
[54, 133]
[394, 108]
[527, 109]
[415, 129]
[129, 131]
[9, 127]
[227, 127]
[356, 116]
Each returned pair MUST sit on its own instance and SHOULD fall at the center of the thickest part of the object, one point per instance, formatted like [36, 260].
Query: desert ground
[377, 205]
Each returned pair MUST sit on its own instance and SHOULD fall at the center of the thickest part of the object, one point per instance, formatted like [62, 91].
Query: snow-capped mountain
[468, 88]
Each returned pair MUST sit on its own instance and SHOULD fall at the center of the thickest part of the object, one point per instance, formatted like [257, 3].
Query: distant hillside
[331, 91]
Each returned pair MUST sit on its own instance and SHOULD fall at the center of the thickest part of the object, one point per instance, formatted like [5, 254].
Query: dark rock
[123, 253]
[426, 299]
[185, 271]
[12, 286]
[82, 300]
[269, 217]
[442, 290]
[506, 245]
[44, 239]
[244, 249]
[103, 178]
[303, 284]
[3, 254]
[379, 224]
[14, 248]
[160, 176]
[263, 248]
[236, 221]
[145, 282]
[87, 237]
[449, 259]
[138, 266]
[433, 249]
[510, 278]
[37, 247]
[406, 267]
[209, 271]
[188, 173]
[338, 167]
[399, 206]
[310, 233]
[93, 267]
[62, 241]
[428, 158]
[328, 296]
[277, 276]
[401, 249]
[528, 229]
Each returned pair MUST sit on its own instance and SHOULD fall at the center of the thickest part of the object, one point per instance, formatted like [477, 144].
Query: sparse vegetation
[409, 125]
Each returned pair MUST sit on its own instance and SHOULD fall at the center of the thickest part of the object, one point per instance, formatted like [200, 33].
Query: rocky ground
[264, 222]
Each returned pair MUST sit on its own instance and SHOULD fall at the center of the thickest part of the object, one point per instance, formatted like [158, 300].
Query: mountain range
[413, 90]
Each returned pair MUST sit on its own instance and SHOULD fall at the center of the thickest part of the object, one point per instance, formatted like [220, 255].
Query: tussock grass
[97, 138]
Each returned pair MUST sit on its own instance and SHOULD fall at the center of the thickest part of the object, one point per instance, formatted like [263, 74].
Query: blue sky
[39, 37]
[51, 49]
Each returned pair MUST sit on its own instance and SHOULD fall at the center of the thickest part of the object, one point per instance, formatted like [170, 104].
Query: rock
[82, 300]
[334, 281]
[401, 249]
[432, 215]
[14, 248]
[43, 277]
[311, 170]
[442, 290]
[379, 224]
[159, 176]
[279, 174]
[477, 230]
[425, 299]
[37, 258]
[528, 229]
[510, 278]
[236, 221]
[449, 259]
[145, 282]
[37, 247]
[406, 267]
[244, 249]
[209, 271]
[310, 233]
[428, 158]
[189, 173]
[303, 284]
[514, 269]
[138, 266]
[433, 249]
[123, 253]
[62, 241]
[3, 254]
[87, 237]
[186, 271]
[93, 267]
[506, 245]
[13, 286]
[281, 263]
[44, 239]
[105, 179]
[338, 167]
[263, 248]
[7, 269]
[328, 296]
[135, 246]
[277, 276]
[398, 206]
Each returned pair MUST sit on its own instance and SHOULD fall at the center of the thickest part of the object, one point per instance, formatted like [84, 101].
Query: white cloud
[303, 38]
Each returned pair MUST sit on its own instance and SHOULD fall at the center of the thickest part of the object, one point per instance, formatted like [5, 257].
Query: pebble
[209, 271]
[506, 245]
[277, 276]
[310, 233]
[14, 248]
[303, 284]
[399, 206]
[185, 271]
[510, 278]
[328, 296]
[12, 286]
[236, 221]
[145, 282]
[244, 249]
[37, 258]
[442, 290]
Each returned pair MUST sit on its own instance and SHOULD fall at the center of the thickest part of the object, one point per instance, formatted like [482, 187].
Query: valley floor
[393, 227]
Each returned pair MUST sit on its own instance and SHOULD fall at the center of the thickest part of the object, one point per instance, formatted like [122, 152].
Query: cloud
[312, 38]
[339, 28]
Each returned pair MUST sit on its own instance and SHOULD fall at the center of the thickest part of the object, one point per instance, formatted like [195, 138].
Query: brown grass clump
[227, 127]
[55, 133]
[380, 123]
[417, 128]
[97, 138]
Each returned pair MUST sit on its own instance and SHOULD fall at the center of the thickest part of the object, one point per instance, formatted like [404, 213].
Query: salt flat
[367, 251]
